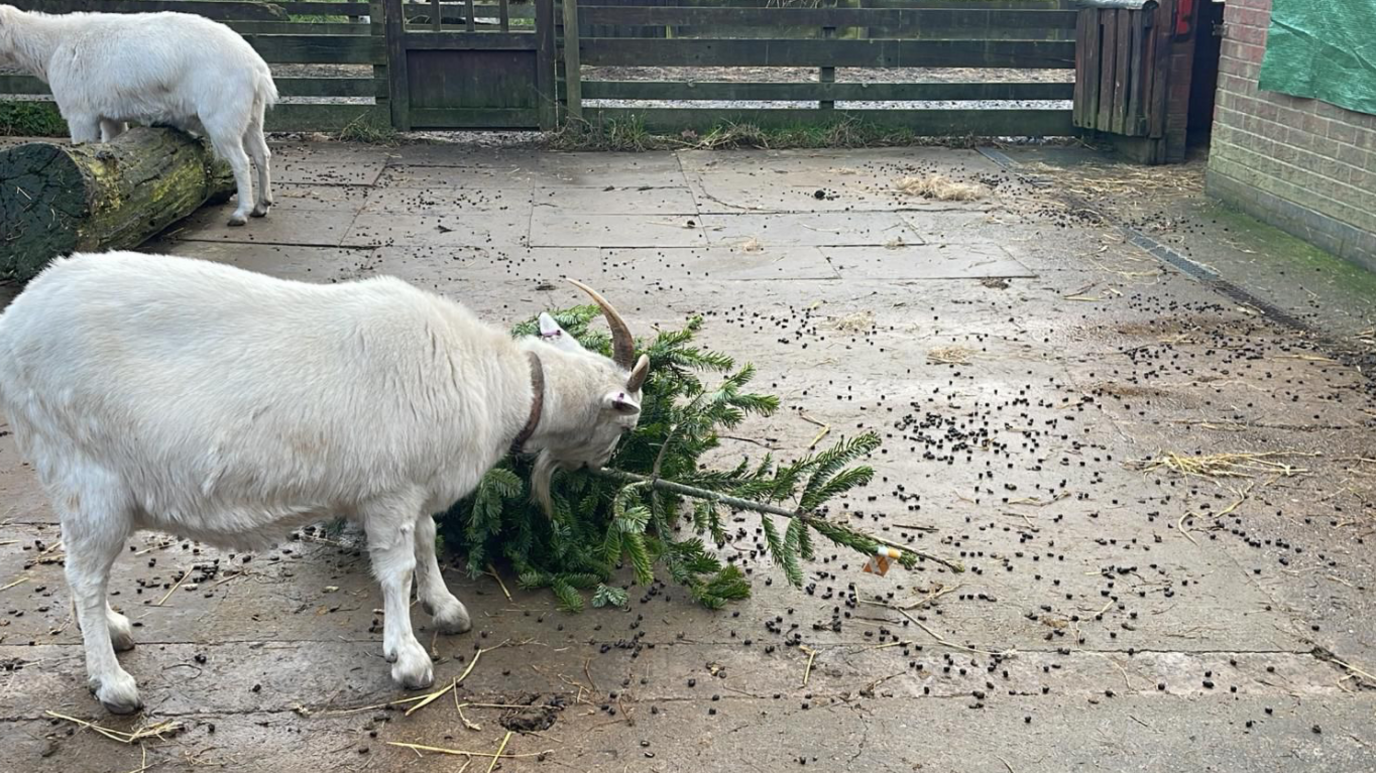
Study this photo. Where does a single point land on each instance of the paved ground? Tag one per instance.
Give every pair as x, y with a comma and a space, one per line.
1143, 621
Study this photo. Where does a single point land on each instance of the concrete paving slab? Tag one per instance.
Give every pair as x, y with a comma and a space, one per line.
288, 226
493, 177
308, 170
306, 264
552, 228
818, 229
744, 262
460, 229
319, 197
445, 200
929, 261
613, 200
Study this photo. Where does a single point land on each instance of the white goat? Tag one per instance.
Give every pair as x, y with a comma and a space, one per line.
178, 395
176, 69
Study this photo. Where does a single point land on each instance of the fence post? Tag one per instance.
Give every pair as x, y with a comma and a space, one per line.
400, 98
573, 86
827, 74
381, 86
545, 64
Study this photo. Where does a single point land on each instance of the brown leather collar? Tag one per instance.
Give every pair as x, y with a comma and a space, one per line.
537, 404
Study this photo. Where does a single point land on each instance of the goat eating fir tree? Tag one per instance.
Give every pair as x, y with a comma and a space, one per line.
631, 513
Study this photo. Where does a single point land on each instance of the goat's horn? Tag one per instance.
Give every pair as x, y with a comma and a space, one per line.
623, 344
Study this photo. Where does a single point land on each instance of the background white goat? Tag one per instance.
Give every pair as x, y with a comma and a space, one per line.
165, 393
176, 69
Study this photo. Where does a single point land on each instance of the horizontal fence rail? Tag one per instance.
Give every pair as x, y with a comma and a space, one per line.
710, 43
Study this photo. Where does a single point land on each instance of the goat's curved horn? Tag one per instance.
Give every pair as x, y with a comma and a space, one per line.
623, 344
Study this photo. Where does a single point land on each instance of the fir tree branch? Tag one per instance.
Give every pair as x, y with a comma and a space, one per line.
829, 529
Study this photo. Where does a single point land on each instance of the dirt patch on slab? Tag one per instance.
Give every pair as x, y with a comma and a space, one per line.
539, 712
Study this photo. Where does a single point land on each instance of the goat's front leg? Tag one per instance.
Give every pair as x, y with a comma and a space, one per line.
85, 129
92, 546
392, 545
448, 612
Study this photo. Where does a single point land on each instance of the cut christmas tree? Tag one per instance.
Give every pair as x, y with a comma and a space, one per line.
657, 488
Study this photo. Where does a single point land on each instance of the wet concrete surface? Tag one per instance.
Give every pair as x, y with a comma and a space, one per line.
1111, 618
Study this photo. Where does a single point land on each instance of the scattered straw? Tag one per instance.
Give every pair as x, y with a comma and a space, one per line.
858, 322
811, 656
950, 355
19, 581
942, 639
1355, 670
500, 749
493, 571
465, 752
173, 589
426, 700
825, 430
751, 245
1227, 465
151, 731
938, 187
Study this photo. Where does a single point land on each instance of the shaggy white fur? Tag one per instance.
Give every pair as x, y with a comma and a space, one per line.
216, 404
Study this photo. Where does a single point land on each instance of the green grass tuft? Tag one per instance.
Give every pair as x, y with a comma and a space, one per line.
31, 119
632, 136
372, 128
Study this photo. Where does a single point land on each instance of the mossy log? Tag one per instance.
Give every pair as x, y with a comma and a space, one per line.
59, 199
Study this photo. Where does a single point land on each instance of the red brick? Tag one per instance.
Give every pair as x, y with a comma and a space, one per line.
1315, 125
1267, 111
1250, 51
1247, 16
1289, 117
1342, 131
1254, 35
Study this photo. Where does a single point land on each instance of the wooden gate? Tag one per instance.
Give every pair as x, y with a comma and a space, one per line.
1133, 70
471, 66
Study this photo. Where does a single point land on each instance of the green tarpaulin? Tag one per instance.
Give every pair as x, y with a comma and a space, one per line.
1323, 49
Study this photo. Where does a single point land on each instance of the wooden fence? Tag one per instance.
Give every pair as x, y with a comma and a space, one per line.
720, 37
341, 61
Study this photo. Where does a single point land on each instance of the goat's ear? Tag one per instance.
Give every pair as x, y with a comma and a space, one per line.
621, 402
551, 333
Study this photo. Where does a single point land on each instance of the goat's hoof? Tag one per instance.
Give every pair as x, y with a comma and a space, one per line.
450, 616
237, 219
261, 210
121, 632
123, 641
414, 671
119, 694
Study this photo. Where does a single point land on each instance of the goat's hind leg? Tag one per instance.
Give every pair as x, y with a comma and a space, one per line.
227, 137
449, 613
111, 129
93, 532
121, 630
257, 146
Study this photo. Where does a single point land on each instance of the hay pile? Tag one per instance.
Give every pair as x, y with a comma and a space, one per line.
938, 188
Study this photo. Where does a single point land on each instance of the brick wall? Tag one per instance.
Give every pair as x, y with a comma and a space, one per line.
1303, 165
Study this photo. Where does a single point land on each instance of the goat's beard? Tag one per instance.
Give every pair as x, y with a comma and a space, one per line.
540, 479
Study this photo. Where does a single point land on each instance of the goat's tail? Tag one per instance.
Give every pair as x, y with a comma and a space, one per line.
267, 90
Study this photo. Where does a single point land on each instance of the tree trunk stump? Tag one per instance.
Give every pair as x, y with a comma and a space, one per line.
59, 199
